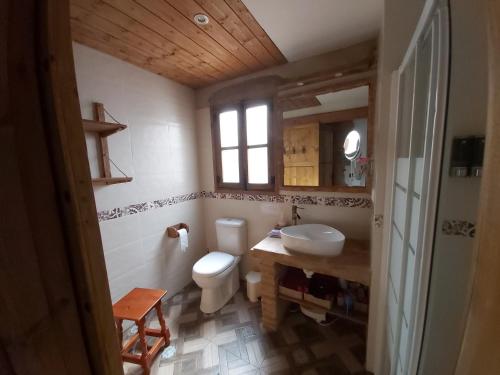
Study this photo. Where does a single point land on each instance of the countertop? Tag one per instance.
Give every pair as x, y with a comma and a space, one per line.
352, 264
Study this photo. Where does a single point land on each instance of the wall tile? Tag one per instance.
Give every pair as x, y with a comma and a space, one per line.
158, 149
124, 259
119, 232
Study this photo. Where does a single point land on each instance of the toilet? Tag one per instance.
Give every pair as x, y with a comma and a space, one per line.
217, 272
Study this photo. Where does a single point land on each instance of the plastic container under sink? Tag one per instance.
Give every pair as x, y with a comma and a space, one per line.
253, 285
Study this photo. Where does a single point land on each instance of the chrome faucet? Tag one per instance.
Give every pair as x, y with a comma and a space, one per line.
295, 215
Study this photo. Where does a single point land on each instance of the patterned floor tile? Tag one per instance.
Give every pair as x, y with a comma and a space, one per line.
189, 363
300, 356
224, 337
359, 351
246, 333
194, 345
233, 358
308, 333
211, 356
190, 331
233, 341
227, 321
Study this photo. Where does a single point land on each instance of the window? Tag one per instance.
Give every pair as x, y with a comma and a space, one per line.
242, 146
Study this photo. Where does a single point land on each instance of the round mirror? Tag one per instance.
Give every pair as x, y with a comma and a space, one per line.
352, 145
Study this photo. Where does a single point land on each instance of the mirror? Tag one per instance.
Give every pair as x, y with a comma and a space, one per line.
325, 139
352, 145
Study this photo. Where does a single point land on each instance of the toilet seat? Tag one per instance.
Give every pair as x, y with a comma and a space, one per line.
213, 264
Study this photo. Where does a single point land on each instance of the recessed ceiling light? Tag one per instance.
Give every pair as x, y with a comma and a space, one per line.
300, 83
201, 19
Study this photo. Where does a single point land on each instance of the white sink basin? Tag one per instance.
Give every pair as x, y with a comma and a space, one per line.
313, 239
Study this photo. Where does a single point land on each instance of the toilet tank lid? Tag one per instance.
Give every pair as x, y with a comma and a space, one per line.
230, 222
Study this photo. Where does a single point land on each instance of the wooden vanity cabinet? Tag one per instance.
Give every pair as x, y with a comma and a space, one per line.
353, 264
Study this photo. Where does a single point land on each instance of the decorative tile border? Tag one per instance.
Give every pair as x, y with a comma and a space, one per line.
273, 198
458, 228
142, 207
294, 199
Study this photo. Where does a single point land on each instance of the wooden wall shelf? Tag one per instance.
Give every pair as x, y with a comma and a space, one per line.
103, 128
110, 180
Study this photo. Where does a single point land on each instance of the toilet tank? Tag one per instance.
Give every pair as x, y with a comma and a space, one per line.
231, 235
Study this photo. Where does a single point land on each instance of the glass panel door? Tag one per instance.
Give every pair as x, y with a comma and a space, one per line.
418, 150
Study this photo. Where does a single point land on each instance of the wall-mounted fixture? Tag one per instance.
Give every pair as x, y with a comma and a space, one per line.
477, 157
295, 215
467, 157
201, 19
352, 145
173, 231
352, 152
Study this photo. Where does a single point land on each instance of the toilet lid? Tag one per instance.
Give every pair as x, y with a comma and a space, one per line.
213, 263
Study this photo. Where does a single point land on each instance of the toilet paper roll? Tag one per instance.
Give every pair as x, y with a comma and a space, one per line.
183, 236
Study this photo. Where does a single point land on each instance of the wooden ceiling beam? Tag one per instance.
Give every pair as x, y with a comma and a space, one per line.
86, 18
172, 16
100, 41
189, 8
248, 19
155, 23
161, 36
225, 16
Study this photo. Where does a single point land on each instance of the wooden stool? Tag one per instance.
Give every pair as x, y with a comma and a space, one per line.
135, 306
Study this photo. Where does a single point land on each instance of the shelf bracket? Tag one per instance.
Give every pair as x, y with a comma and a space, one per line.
103, 141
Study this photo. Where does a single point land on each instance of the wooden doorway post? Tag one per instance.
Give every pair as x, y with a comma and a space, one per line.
480, 352
56, 307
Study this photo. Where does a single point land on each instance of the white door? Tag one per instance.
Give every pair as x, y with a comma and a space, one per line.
421, 106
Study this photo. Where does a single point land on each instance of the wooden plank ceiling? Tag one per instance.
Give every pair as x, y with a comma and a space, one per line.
162, 37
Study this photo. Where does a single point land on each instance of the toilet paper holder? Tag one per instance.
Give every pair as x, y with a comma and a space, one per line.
173, 231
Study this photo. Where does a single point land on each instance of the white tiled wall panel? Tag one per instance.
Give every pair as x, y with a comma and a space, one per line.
403, 343
410, 282
414, 223
396, 260
419, 175
393, 313
158, 149
402, 172
400, 367
399, 208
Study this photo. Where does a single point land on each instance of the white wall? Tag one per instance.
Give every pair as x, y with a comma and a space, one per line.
158, 149
262, 216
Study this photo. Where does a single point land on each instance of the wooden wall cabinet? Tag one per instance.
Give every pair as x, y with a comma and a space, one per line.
301, 155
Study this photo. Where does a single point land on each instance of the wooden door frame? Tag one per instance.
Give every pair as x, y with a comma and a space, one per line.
47, 189
480, 352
